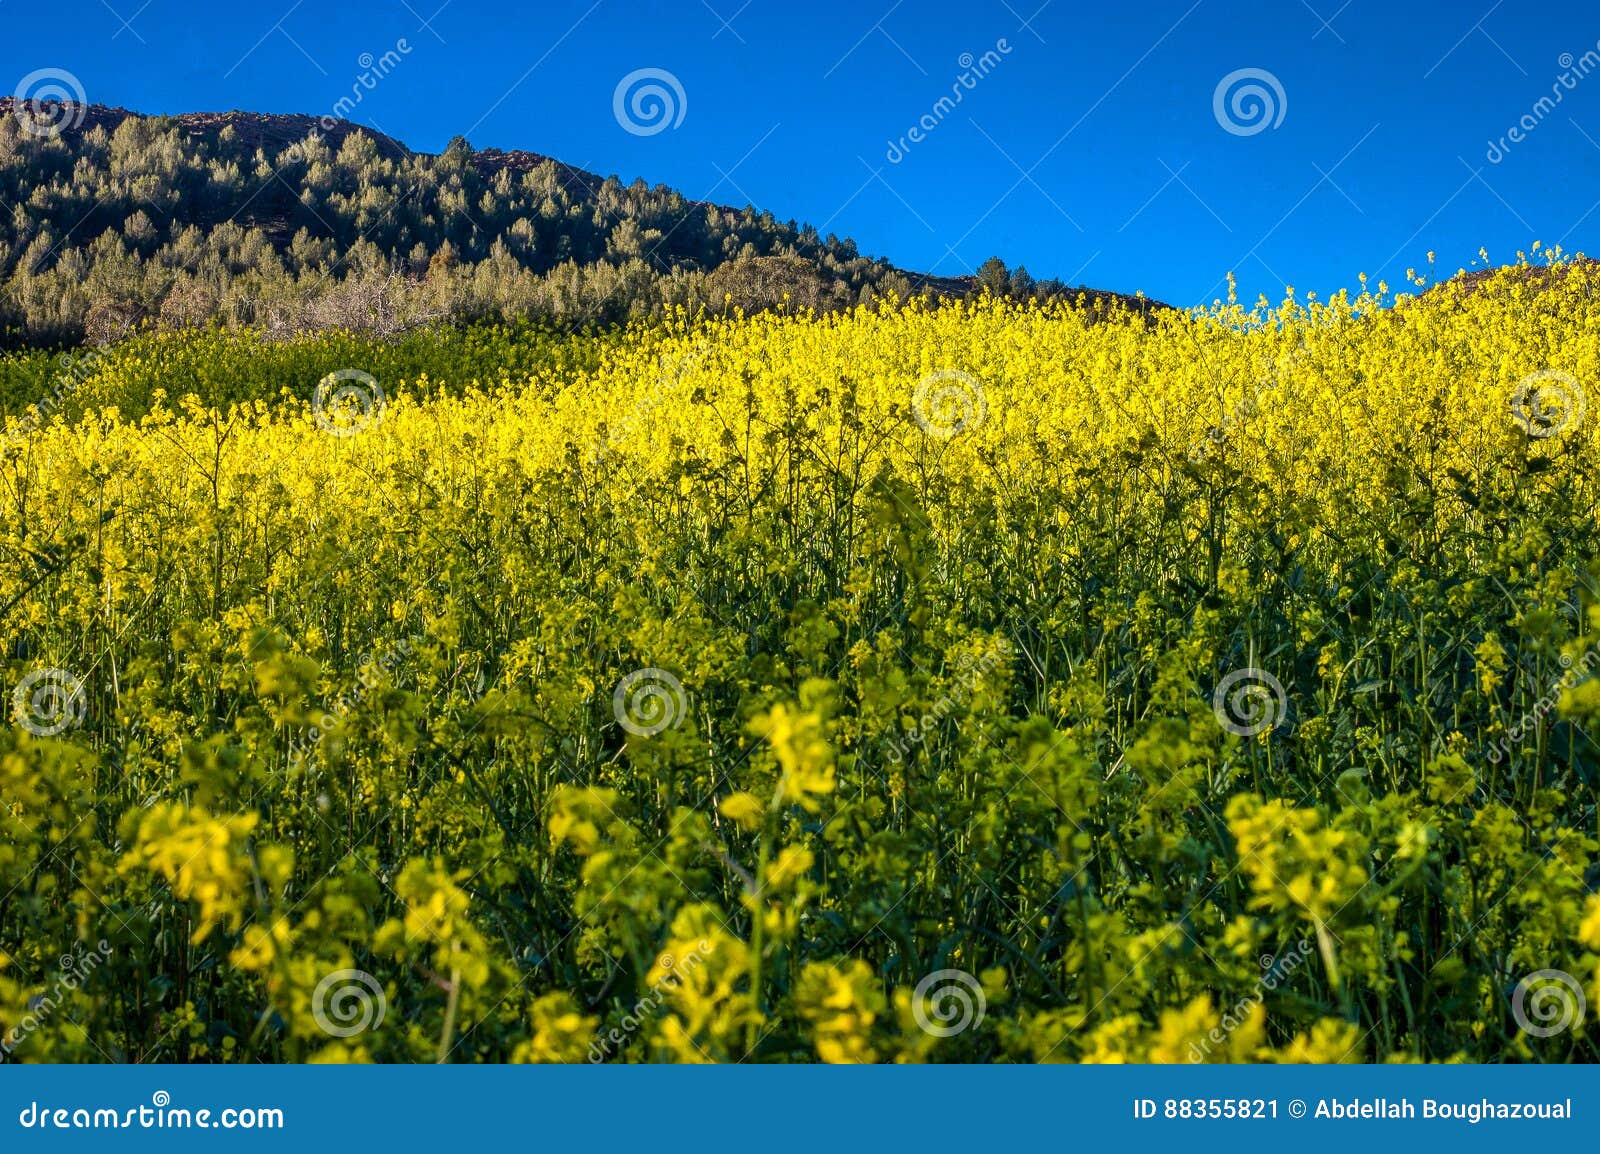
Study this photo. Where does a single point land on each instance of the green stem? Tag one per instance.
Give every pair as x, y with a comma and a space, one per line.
449, 1031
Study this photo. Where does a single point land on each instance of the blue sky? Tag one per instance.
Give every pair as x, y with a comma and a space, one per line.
1092, 147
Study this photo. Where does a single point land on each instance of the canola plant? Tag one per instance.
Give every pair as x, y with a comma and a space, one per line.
968, 683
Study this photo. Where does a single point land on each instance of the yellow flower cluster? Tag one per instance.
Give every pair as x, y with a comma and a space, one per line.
927, 683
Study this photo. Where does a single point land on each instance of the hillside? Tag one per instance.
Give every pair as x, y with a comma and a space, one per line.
1153, 708
290, 223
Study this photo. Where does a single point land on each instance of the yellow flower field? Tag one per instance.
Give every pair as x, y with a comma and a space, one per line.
972, 683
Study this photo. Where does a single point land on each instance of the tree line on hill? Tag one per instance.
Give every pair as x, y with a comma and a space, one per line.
283, 224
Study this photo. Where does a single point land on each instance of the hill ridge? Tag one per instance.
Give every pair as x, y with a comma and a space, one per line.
565, 243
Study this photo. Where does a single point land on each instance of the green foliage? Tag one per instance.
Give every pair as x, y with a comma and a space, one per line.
690, 693
268, 222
